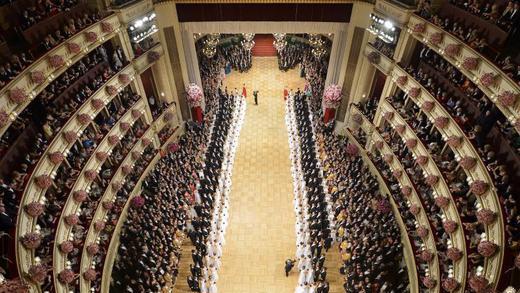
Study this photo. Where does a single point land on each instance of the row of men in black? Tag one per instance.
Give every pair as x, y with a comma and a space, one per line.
320, 233
208, 186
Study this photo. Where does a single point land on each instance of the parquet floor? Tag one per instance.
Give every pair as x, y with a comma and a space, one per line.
260, 234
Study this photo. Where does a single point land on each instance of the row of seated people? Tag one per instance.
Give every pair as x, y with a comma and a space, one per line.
368, 107
43, 9
370, 242
15, 64
474, 37
504, 17
387, 49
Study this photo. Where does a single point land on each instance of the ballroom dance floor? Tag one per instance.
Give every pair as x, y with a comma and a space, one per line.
260, 234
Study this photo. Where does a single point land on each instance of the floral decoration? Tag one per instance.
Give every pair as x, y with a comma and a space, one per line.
106, 27
34, 209
99, 225
14, 286
91, 36
90, 274
101, 156
146, 141
37, 273
388, 158
441, 122
44, 181
479, 187
422, 231
487, 248
113, 139
111, 90
31, 240
56, 61
406, 190
136, 155
379, 144
400, 128
436, 38
153, 56
450, 284
97, 104
478, 284
37, 77
138, 201
80, 195
397, 173
72, 220
91, 175
108, 205
84, 119
507, 98
66, 246
427, 106
442, 201
401, 80
415, 209
4, 118
136, 113
421, 160
411, 143
454, 254
18, 95
419, 28
427, 255
56, 158
357, 118
432, 179
452, 50
429, 282
383, 206
470, 63
486, 216
127, 169
124, 126
450, 226
124, 78
117, 185
70, 136
332, 96
173, 147
93, 249
468, 163
73, 48
66, 276
414, 92
454, 141
488, 79
352, 149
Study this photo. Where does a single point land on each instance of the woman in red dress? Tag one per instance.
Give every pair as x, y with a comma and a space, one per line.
244, 91
285, 93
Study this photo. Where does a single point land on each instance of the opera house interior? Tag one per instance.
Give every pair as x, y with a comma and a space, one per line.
260, 146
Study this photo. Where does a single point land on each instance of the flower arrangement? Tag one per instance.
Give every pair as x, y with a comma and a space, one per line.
101, 156
427, 255
379, 144
397, 173
56, 61
452, 50
70, 136
427, 106
168, 116
470, 63
44, 181
432, 179
66, 276
454, 254
34, 209
388, 115
153, 56
72, 220
487, 248
195, 95
80, 196
414, 92
106, 27
441, 122
415, 209
422, 231
73, 48
401, 80
124, 126
450, 284
374, 57
173, 147
421, 160
4, 118
429, 282
56, 158
136, 113
419, 28
113, 139
479, 187
442, 201
97, 104
84, 119
37, 273
436, 38
488, 79
146, 141
111, 90
18, 95
127, 169
124, 78
66, 247
91, 37
31, 240
136, 155
486, 216
352, 149
99, 225
93, 249
468, 163
332, 96
90, 275
37, 77
138, 201
357, 118
388, 158
13, 286
400, 128
454, 141
108, 205
117, 185
411, 143
406, 190
91, 175
383, 206
507, 98
478, 284
450, 226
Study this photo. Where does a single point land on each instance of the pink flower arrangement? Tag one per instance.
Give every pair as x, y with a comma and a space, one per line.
91, 175
436, 38
450, 226
37, 77
432, 179
101, 156
468, 163
4, 118
357, 118
153, 56
414, 92
421, 160
91, 37
388, 158
379, 144
146, 141
419, 28
66, 247
454, 141
90, 275
97, 104
117, 185
99, 225
80, 195
34, 209
44, 181
452, 50
93, 249
106, 27
488, 79
31, 240
397, 173
400, 128
113, 139
478, 284
406, 190
66, 276
84, 119
486, 216
487, 248
470, 63
374, 57
111, 90
383, 206
14, 286
138, 201
56, 158
422, 231
72, 220
352, 149
136, 113
56, 61
70, 136
441, 122
411, 143
450, 284
18, 95
195, 95
415, 209
332, 96
427, 255
454, 254
73, 48
136, 155
401, 80
427, 106
388, 115
108, 205
168, 116
442, 201
124, 126
127, 169
507, 98
124, 78
37, 273
479, 187
173, 147
429, 282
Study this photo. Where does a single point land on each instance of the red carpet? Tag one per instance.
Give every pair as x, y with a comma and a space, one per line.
264, 45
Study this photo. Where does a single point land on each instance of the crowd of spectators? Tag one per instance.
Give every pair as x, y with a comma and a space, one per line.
42, 10
238, 57
504, 17
387, 49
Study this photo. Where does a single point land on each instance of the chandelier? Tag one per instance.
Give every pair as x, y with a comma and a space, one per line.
248, 36
209, 52
279, 36
279, 45
248, 45
319, 52
314, 39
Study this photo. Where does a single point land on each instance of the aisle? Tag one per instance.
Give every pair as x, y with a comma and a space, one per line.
260, 235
